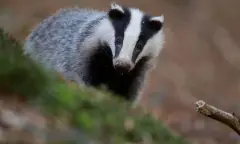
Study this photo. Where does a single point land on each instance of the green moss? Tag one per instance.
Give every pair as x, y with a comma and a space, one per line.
18, 74
96, 112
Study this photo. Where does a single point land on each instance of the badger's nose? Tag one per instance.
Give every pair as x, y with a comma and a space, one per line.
122, 66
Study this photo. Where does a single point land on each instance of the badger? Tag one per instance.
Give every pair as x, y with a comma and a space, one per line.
116, 48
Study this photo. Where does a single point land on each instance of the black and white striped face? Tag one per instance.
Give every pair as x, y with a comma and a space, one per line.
136, 35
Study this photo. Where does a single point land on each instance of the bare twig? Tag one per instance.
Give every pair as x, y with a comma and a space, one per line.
226, 118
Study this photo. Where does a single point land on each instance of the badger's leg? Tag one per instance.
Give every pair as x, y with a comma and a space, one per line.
138, 96
150, 65
73, 77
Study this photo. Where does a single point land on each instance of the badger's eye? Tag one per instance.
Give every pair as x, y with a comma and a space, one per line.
119, 40
139, 45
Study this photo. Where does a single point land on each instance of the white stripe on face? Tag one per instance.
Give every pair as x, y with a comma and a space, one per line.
131, 35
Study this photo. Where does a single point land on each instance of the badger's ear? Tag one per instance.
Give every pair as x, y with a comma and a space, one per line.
156, 22
116, 11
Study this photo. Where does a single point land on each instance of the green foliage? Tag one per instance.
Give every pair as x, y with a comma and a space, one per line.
18, 74
96, 112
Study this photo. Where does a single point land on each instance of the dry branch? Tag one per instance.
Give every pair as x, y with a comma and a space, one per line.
226, 118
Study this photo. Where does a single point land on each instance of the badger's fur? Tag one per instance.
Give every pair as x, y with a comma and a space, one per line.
113, 48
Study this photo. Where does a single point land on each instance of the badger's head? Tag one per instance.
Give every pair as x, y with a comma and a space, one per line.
136, 35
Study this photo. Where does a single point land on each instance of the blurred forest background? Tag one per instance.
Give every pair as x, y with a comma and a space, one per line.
201, 58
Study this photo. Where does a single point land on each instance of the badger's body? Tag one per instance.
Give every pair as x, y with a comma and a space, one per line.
99, 48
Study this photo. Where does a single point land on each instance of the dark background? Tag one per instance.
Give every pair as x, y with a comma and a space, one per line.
201, 58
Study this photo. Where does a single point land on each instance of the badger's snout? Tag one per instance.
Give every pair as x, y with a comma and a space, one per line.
122, 65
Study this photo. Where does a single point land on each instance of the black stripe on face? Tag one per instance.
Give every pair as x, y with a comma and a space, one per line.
120, 22
148, 29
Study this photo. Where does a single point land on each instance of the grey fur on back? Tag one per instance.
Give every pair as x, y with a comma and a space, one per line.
56, 40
